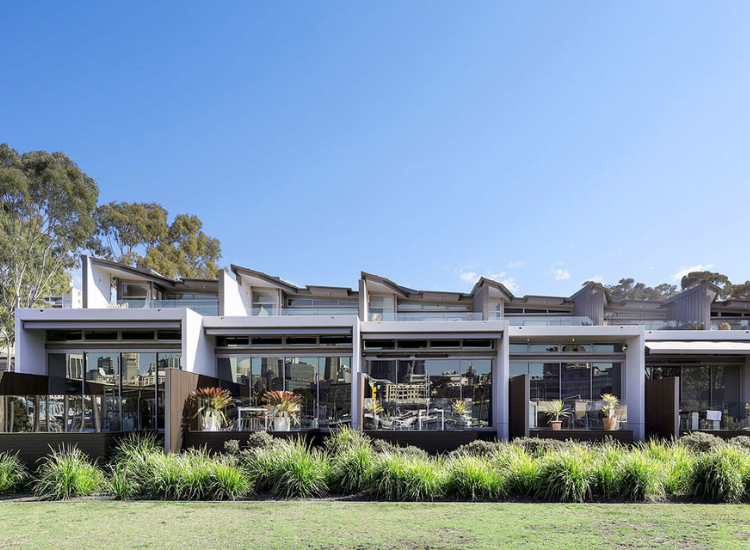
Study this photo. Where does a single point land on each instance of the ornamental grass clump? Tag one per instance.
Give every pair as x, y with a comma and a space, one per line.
638, 476
13, 473
288, 471
67, 473
701, 442
567, 476
719, 475
471, 477
519, 469
349, 468
345, 439
405, 478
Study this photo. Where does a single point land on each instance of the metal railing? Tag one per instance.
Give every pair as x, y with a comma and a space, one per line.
302, 311
549, 321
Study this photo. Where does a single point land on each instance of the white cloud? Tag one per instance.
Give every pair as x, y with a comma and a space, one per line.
595, 278
562, 275
513, 265
685, 270
469, 277
510, 283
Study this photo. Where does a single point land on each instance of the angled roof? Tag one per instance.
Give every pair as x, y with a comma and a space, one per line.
151, 275
287, 286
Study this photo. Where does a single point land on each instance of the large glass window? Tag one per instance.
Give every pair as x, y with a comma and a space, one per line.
301, 377
265, 302
134, 291
435, 394
335, 392
381, 308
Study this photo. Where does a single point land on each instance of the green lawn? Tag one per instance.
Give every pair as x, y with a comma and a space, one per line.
364, 525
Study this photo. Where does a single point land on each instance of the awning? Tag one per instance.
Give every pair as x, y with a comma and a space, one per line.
700, 348
288, 331
430, 335
86, 325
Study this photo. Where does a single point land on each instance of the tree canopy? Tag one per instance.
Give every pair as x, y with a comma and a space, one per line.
628, 289
46, 219
138, 234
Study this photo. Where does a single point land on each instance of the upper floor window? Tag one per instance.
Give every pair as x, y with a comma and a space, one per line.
134, 291
265, 302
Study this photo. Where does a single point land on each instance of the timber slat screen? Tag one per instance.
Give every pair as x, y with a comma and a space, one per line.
519, 395
662, 407
180, 385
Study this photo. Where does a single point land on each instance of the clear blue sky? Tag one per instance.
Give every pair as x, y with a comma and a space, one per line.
542, 142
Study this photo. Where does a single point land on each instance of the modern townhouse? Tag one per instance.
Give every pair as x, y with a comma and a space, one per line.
433, 368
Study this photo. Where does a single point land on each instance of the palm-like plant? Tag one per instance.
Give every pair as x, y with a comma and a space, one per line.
212, 401
282, 403
557, 409
610, 404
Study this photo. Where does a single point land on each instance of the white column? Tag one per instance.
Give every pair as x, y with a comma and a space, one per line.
500, 381
635, 385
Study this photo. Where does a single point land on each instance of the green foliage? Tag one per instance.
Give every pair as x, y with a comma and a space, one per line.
701, 442
262, 440
538, 447
288, 471
473, 478
479, 447
46, 218
13, 474
741, 441
405, 478
719, 475
344, 439
521, 470
67, 473
567, 476
638, 476
350, 467
138, 234
381, 446
628, 289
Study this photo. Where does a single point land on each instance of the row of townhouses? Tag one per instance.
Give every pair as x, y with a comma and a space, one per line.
380, 357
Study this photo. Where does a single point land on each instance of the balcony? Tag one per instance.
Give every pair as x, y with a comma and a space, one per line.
302, 312
656, 324
734, 324
203, 307
427, 316
547, 321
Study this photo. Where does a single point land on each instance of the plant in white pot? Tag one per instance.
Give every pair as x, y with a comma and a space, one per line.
608, 410
283, 407
211, 405
461, 414
557, 409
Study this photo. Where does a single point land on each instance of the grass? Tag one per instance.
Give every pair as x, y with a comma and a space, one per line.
337, 525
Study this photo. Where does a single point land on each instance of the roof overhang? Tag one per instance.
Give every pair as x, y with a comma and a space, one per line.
699, 348
295, 331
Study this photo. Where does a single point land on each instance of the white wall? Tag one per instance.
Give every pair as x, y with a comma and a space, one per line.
97, 288
501, 387
357, 367
635, 385
232, 302
30, 353
197, 348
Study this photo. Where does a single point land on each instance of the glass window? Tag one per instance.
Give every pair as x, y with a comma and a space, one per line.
380, 394
137, 335
478, 344
575, 381
64, 335
335, 392
607, 348
576, 348
519, 348
234, 369
264, 302
518, 368
695, 387
381, 308
477, 390
100, 335
134, 291
169, 335
139, 375
301, 341
445, 408
267, 375
544, 348
102, 393
545, 381
335, 340
606, 378
301, 377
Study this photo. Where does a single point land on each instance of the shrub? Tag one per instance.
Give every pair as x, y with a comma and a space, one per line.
345, 439
741, 441
538, 447
384, 447
719, 475
289, 471
13, 473
479, 447
350, 468
232, 447
607, 470
567, 476
405, 478
262, 440
67, 473
520, 470
135, 443
638, 476
472, 477
701, 442
678, 465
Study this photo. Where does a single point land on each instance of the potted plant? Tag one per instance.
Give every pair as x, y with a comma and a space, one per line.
460, 414
283, 407
608, 410
211, 405
373, 411
557, 409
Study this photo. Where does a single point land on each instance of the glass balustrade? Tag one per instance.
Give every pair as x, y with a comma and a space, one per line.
204, 307
549, 321
579, 414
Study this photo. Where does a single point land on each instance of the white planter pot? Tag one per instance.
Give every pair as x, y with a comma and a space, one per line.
210, 423
281, 423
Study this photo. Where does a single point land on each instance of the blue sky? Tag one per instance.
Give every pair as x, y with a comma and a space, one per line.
540, 143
